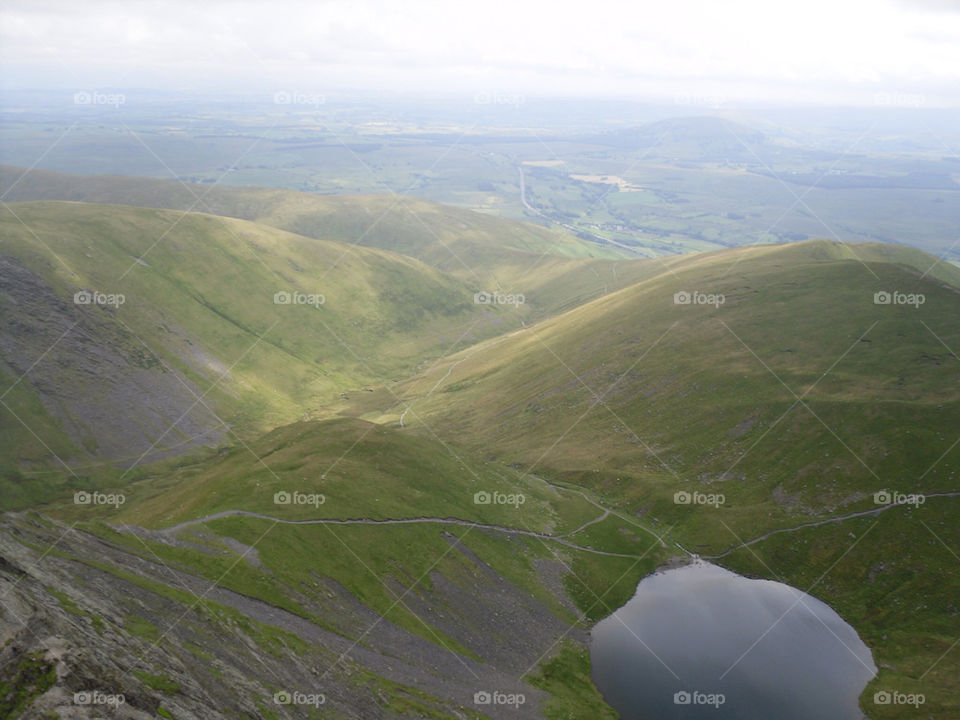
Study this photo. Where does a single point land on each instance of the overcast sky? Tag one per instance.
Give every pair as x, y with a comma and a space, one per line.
821, 51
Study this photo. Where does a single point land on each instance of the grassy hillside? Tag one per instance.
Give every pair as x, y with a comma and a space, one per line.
553, 270
386, 622
658, 365
766, 381
479, 591
792, 401
363, 471
198, 340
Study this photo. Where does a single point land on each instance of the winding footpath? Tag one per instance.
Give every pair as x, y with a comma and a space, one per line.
816, 523
560, 538
436, 385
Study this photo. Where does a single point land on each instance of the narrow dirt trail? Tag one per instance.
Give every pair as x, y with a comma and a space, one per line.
560, 538
174, 529
817, 523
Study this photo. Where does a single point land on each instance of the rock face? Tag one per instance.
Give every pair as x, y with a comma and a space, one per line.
90, 629
114, 398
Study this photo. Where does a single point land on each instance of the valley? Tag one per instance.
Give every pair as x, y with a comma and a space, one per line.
402, 487
501, 361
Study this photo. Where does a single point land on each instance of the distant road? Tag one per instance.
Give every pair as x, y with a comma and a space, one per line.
575, 230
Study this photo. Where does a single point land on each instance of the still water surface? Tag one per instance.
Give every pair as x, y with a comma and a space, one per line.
702, 642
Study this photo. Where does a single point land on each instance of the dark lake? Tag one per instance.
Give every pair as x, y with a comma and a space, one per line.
702, 642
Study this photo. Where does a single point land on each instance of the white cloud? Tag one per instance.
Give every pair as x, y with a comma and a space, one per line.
819, 50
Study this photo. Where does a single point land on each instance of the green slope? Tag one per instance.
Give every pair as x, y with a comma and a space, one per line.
199, 340
553, 270
488, 585
790, 313
363, 470
796, 399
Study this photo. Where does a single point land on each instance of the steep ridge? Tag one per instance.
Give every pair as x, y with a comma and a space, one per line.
101, 621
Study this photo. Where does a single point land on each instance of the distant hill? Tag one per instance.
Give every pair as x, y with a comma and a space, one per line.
482, 249
703, 138
554, 271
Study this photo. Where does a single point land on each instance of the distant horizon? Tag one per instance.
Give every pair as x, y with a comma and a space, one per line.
684, 103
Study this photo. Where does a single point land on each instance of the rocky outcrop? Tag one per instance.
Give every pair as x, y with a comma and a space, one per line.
114, 398
90, 629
